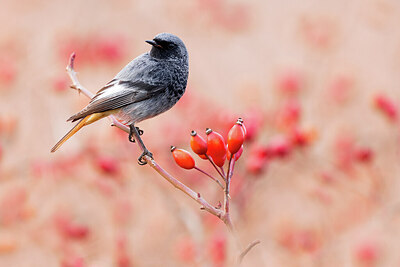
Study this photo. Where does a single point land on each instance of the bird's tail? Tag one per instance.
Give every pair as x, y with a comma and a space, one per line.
83, 122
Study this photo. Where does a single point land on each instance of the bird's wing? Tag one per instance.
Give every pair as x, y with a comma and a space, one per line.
119, 93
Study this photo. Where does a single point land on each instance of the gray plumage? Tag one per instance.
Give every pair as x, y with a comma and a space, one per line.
149, 85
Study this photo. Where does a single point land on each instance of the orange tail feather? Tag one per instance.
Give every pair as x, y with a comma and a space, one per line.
83, 122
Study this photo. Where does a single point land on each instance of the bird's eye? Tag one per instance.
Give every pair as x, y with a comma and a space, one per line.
165, 44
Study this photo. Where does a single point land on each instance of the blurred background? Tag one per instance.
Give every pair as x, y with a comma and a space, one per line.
317, 84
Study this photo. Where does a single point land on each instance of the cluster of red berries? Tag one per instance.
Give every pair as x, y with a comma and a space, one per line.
213, 147
94, 49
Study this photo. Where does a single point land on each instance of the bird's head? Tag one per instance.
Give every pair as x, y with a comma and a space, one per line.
168, 46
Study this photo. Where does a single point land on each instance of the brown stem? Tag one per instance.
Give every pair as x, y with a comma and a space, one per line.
249, 247
78, 86
222, 214
212, 178
216, 167
182, 187
176, 183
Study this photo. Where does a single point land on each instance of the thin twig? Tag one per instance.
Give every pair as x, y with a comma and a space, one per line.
222, 171
223, 214
227, 188
212, 178
216, 167
78, 86
249, 247
182, 187
152, 163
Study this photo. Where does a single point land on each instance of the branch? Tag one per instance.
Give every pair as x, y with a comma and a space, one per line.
210, 176
78, 86
216, 167
223, 214
152, 163
227, 188
249, 247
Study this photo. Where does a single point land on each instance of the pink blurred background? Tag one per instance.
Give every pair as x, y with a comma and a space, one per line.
316, 83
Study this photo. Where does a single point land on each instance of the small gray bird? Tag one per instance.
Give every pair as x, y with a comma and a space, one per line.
149, 85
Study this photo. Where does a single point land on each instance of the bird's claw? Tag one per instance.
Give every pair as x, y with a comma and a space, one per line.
142, 160
131, 138
139, 131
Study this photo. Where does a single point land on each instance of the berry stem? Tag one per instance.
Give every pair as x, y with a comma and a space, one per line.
212, 178
227, 186
216, 168
222, 170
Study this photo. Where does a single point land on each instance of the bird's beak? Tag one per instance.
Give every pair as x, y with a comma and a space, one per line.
153, 43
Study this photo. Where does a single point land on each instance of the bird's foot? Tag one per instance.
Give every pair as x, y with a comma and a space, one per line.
142, 159
141, 132
131, 138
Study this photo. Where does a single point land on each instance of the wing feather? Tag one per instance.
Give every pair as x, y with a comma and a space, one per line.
117, 94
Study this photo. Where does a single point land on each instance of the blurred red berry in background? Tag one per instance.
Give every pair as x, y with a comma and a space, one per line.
364, 155
290, 82
108, 165
73, 261
186, 250
279, 147
8, 71
94, 49
289, 115
340, 88
217, 248
70, 229
367, 252
386, 106
256, 165
60, 83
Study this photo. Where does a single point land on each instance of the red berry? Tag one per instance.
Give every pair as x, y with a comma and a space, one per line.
70, 229
215, 144
60, 83
219, 161
290, 82
183, 158
73, 262
235, 138
364, 155
218, 249
280, 147
236, 155
203, 157
7, 72
367, 252
243, 126
198, 144
256, 164
386, 105
108, 165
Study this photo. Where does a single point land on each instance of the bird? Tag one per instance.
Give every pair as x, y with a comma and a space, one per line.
149, 85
